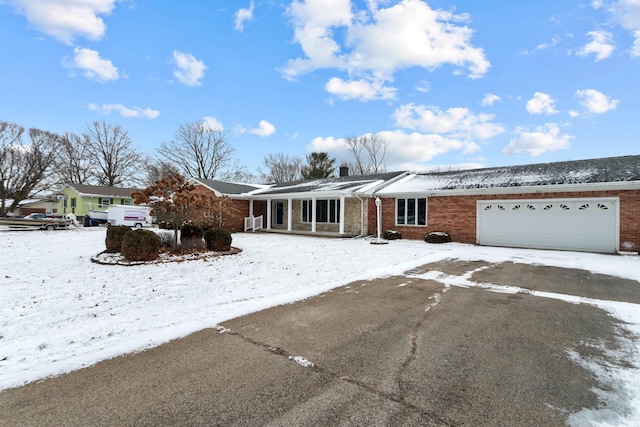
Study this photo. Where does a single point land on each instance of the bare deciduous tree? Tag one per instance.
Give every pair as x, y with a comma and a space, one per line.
114, 159
24, 168
281, 168
158, 170
367, 153
73, 164
201, 151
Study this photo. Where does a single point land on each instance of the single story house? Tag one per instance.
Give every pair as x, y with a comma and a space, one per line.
233, 191
329, 206
78, 199
336, 206
585, 205
45, 205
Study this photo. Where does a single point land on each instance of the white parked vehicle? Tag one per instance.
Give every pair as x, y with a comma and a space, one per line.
131, 216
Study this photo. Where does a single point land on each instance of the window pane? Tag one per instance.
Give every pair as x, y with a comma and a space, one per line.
422, 211
305, 211
411, 211
322, 208
332, 211
400, 212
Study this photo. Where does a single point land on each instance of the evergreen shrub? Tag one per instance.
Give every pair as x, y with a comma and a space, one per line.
113, 241
437, 237
191, 236
218, 239
140, 245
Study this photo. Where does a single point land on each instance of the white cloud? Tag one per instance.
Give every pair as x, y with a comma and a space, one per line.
264, 129
361, 90
211, 123
596, 102
242, 16
376, 42
189, 70
455, 122
542, 46
94, 67
404, 150
136, 112
541, 103
601, 45
423, 86
635, 49
533, 143
627, 14
66, 19
490, 99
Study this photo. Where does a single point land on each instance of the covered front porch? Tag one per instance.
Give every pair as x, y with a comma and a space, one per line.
337, 216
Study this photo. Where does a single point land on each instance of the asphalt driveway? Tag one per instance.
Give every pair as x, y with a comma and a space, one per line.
395, 351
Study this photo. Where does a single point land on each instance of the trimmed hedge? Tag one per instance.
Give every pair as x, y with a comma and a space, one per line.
113, 241
191, 236
437, 237
140, 245
392, 235
218, 239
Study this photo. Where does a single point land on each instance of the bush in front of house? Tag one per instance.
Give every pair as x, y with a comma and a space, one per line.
140, 245
113, 241
392, 235
218, 239
191, 236
437, 237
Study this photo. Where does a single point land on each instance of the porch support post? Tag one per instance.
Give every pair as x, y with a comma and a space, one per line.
313, 215
251, 208
289, 214
342, 214
268, 214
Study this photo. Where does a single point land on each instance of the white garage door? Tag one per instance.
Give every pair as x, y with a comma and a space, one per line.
567, 224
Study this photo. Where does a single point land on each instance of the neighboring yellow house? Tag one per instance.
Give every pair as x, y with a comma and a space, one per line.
78, 199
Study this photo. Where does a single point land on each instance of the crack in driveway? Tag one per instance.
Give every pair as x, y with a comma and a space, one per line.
415, 334
399, 399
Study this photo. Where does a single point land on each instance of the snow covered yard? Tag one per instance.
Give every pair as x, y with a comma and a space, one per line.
60, 312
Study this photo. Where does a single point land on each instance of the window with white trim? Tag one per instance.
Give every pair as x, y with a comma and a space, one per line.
126, 202
104, 203
327, 210
412, 211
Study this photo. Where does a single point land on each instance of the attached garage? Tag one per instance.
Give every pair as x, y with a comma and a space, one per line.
585, 224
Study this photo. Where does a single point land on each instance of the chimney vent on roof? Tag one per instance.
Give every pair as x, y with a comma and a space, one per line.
344, 170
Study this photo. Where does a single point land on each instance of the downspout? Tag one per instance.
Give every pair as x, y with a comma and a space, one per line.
361, 214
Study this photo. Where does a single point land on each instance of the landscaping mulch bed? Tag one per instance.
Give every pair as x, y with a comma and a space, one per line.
105, 258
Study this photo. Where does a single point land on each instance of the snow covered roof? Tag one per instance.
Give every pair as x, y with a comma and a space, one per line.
98, 190
604, 170
228, 188
343, 184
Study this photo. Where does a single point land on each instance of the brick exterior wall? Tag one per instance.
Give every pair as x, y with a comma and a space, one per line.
456, 215
233, 220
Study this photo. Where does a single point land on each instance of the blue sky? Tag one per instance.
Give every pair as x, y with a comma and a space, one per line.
462, 83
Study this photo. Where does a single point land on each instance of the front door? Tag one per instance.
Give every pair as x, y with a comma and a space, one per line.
278, 219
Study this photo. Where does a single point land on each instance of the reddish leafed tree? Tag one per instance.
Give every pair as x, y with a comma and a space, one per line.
178, 201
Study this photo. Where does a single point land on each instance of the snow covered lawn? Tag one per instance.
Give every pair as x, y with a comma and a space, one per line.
60, 312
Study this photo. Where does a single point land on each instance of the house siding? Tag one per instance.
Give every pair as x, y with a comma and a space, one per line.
234, 220
456, 215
